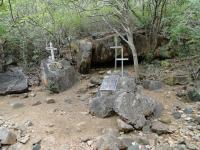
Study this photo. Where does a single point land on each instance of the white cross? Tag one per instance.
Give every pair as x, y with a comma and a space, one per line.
122, 59
52, 49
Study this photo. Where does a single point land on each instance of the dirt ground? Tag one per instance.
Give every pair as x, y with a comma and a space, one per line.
67, 122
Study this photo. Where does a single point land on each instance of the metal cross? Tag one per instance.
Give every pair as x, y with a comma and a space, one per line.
52, 49
122, 59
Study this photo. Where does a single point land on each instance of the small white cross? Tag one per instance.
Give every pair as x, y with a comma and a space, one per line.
52, 49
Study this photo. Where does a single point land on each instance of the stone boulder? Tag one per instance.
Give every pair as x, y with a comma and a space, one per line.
177, 78
108, 142
161, 128
85, 56
58, 76
7, 137
135, 108
152, 85
13, 81
123, 126
102, 106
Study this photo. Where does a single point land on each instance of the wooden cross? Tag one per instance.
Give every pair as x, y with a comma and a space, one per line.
122, 59
52, 49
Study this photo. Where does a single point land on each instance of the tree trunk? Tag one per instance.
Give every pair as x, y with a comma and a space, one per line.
134, 52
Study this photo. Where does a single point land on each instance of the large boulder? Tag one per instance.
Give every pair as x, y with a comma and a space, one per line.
177, 78
13, 81
102, 106
152, 85
101, 52
58, 76
135, 108
85, 56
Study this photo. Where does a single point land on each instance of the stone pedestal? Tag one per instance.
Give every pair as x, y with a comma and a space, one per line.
58, 76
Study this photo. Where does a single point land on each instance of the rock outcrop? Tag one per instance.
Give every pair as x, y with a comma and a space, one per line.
85, 56
96, 50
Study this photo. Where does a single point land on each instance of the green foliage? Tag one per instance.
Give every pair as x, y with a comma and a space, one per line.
53, 87
34, 23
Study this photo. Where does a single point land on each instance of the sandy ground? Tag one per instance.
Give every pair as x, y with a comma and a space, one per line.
67, 121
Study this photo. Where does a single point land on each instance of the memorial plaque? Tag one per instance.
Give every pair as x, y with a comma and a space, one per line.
109, 83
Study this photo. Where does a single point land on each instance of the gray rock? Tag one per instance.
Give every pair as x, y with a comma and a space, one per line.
108, 142
176, 115
134, 108
36, 143
85, 56
95, 81
152, 85
13, 81
188, 110
127, 84
7, 137
17, 105
58, 76
102, 106
177, 78
36, 146
124, 127
160, 128
50, 101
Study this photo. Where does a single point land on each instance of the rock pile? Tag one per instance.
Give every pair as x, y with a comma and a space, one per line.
127, 101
